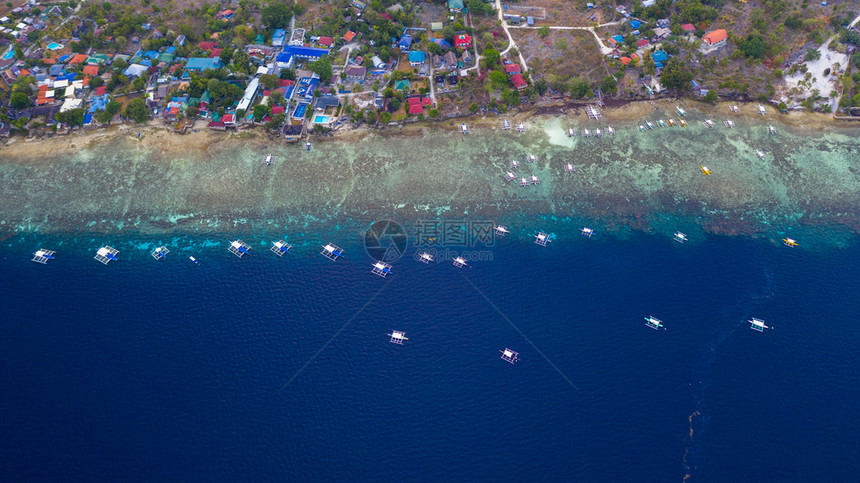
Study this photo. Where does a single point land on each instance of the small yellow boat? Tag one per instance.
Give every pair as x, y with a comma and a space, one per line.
682, 122
706, 171
789, 242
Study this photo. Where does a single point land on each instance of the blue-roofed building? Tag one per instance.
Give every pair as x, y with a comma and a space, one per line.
416, 57
88, 119
98, 103
306, 86
405, 42
146, 62
443, 43
278, 37
635, 24
56, 69
151, 54
300, 111
618, 39
170, 50
288, 92
292, 52
203, 63
660, 57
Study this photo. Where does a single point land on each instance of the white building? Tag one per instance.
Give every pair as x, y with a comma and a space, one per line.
250, 93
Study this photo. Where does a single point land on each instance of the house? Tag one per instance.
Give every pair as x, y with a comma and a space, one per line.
348, 36
717, 38
292, 133
180, 41
216, 52
455, 6
688, 28
225, 15
519, 82
660, 58
250, 94
324, 102
635, 24
462, 41
442, 43
512, 68
466, 57
377, 62
136, 70
278, 37
325, 41
619, 39
414, 105
286, 57
229, 120
641, 43
405, 42
202, 63
355, 73
416, 58
402, 85
278, 110
662, 33
91, 70
648, 3
206, 45
436, 26
449, 60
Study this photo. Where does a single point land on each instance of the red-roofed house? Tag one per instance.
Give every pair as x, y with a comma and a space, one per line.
625, 61
386, 16
348, 36
462, 41
277, 110
688, 27
92, 69
205, 45
225, 15
286, 82
77, 59
101, 90
216, 52
641, 43
416, 109
717, 38
512, 69
519, 82
228, 119
426, 101
325, 41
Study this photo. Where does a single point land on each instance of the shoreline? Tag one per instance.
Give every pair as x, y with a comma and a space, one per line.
159, 138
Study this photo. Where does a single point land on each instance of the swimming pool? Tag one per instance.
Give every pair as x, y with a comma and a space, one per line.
321, 119
9, 55
55, 46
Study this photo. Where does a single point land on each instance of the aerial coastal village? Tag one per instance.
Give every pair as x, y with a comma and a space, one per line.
290, 68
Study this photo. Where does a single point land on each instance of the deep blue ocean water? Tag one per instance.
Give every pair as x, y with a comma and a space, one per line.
145, 370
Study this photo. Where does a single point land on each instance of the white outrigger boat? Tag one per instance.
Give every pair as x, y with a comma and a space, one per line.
506, 125
268, 160
654, 323
597, 133
761, 110
771, 130
610, 131
571, 132
509, 176
759, 154
757, 325
661, 123
569, 168
729, 123
680, 237
681, 112
641, 128
521, 127
534, 179
586, 133
515, 164
464, 128
524, 181
532, 158
708, 123
501, 230
649, 124
734, 108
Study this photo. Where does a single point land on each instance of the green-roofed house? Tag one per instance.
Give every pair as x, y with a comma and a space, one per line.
165, 57
98, 59
455, 5
203, 63
402, 84
436, 26
259, 39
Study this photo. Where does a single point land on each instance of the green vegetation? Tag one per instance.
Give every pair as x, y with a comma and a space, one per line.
136, 110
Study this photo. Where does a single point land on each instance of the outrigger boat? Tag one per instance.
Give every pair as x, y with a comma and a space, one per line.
521, 127
641, 128
268, 160
610, 131
680, 237
671, 122
706, 171
585, 133
682, 122
771, 130
661, 123
569, 168
708, 123
524, 181
681, 112
506, 125
532, 158
734, 108
597, 133
649, 124
654, 323
789, 242
761, 110
515, 164
534, 179
502, 230
571, 132
759, 154
729, 123
510, 176
757, 325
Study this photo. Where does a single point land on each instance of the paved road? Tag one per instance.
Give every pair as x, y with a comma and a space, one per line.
511, 43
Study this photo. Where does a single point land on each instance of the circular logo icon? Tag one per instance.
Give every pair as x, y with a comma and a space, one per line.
385, 241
